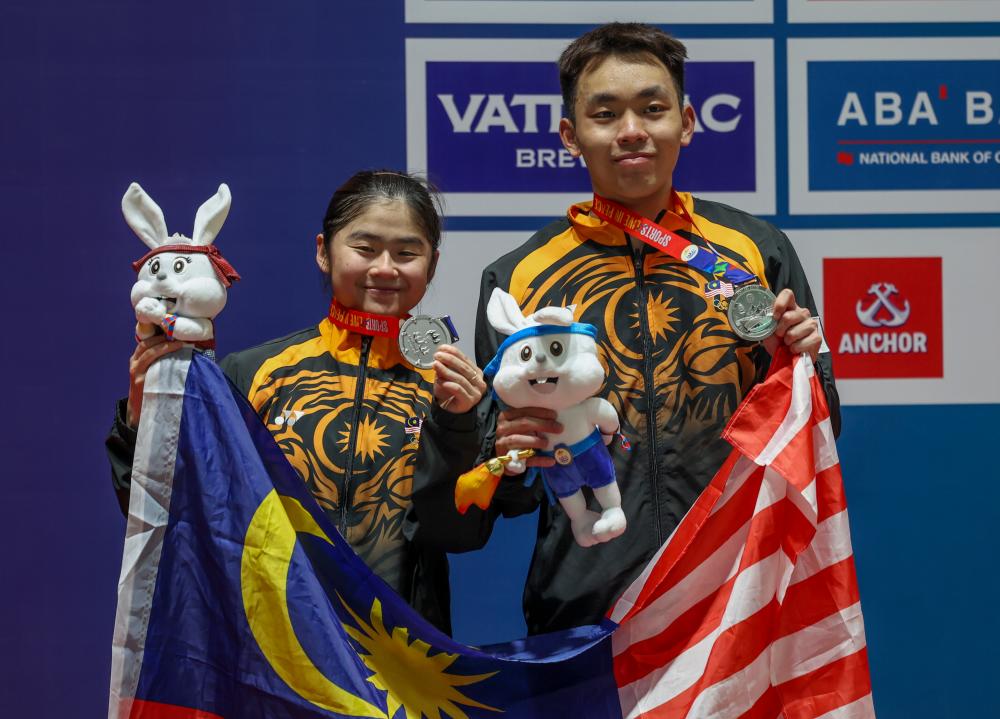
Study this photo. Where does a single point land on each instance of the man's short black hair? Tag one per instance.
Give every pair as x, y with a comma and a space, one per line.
630, 40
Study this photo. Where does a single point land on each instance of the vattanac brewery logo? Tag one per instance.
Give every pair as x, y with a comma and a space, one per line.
904, 125
494, 127
882, 316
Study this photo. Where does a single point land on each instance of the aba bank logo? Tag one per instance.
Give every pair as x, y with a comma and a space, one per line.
904, 125
494, 127
883, 316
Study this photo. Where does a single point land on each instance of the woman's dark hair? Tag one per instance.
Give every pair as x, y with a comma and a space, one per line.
629, 40
368, 187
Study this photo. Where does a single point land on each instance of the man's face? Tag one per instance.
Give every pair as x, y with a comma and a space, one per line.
630, 126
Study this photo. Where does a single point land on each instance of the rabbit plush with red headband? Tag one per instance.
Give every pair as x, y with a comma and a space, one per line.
182, 281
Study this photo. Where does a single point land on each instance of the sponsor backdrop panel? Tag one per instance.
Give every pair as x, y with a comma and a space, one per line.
483, 122
841, 11
588, 11
906, 313
284, 101
886, 125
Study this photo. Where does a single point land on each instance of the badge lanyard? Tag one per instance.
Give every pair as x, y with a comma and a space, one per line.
725, 275
366, 323
749, 313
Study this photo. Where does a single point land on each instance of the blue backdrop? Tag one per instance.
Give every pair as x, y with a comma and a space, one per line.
283, 102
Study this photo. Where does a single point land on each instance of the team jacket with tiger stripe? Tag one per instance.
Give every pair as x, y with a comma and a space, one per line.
345, 409
676, 372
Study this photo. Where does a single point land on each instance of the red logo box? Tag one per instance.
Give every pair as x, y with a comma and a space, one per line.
882, 316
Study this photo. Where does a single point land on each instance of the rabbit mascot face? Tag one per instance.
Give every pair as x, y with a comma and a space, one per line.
550, 361
182, 281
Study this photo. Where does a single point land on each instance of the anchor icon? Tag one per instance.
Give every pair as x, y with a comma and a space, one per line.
883, 291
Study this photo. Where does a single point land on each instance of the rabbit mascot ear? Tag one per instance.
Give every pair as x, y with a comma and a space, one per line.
144, 216
550, 361
505, 314
210, 216
181, 283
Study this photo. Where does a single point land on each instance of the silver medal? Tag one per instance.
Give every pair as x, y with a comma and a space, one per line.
750, 313
419, 338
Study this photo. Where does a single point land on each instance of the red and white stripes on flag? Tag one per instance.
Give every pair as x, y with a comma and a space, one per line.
751, 608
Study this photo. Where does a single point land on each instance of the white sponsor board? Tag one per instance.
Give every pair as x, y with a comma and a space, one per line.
882, 112
893, 10
970, 325
674, 12
421, 52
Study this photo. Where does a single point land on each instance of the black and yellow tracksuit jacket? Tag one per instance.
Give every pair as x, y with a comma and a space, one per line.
346, 411
676, 372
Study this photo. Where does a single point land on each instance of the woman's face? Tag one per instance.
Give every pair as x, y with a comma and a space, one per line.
381, 262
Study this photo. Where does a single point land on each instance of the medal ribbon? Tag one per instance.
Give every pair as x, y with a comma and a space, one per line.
667, 242
366, 323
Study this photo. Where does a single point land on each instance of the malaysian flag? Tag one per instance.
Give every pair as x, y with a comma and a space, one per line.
718, 287
239, 598
751, 608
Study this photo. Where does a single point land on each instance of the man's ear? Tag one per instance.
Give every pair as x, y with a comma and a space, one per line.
567, 133
433, 266
687, 126
322, 260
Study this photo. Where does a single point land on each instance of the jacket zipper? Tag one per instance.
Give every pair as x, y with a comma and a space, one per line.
359, 394
647, 353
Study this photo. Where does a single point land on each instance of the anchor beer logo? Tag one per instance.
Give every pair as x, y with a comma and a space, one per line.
870, 317
883, 316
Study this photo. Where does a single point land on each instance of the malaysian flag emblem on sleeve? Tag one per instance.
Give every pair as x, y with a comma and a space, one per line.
238, 598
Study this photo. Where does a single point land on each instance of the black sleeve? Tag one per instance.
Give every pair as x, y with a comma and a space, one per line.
120, 445
487, 339
784, 270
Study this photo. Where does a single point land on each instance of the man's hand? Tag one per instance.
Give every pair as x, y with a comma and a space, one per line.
527, 428
458, 383
146, 353
797, 329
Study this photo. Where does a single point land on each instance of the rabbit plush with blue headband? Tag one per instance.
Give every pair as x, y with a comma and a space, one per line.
550, 361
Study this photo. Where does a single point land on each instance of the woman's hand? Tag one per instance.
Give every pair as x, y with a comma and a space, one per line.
458, 383
146, 353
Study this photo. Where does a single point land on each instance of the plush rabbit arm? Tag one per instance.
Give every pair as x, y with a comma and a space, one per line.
144, 216
603, 414
208, 221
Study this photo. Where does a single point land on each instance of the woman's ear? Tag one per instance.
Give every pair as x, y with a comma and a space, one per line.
433, 265
322, 259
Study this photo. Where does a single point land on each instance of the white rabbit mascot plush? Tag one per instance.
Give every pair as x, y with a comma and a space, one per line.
182, 281
550, 361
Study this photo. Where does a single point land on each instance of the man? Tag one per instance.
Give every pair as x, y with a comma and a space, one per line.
676, 368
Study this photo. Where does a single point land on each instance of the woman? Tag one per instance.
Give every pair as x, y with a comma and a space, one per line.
342, 403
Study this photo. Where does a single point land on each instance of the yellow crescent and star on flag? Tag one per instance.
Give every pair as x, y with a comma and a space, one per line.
412, 678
